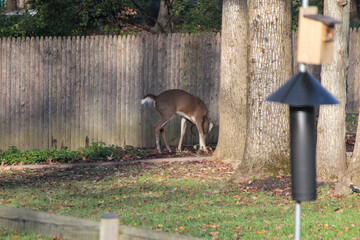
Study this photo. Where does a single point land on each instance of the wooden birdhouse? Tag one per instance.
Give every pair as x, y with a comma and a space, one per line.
315, 37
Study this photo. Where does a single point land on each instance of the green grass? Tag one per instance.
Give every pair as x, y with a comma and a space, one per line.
187, 198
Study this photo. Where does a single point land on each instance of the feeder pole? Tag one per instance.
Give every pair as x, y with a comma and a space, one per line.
297, 221
302, 93
302, 68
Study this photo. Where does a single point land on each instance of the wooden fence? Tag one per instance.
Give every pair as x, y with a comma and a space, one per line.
67, 92
75, 228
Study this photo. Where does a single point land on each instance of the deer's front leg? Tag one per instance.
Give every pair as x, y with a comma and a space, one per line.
201, 137
182, 134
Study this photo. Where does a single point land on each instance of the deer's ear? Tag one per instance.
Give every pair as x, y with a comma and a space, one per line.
211, 125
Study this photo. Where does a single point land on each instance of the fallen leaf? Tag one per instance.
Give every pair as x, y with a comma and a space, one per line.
339, 210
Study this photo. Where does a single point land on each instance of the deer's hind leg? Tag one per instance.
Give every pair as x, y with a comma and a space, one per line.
183, 130
159, 127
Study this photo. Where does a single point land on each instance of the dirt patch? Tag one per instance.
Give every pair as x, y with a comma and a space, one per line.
280, 185
187, 151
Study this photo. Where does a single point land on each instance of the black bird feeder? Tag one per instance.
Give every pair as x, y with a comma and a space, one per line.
302, 93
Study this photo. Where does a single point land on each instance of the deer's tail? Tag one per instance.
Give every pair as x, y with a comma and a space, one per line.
149, 98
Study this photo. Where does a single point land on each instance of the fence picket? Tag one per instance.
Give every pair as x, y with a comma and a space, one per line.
2, 93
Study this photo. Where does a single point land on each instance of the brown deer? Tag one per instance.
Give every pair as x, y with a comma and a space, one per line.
189, 107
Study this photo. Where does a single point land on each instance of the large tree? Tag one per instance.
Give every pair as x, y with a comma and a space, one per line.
270, 57
233, 81
331, 149
352, 175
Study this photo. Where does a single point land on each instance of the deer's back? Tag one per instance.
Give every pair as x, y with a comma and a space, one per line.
177, 100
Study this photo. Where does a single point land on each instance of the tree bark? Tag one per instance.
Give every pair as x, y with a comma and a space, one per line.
354, 14
352, 175
331, 149
233, 82
270, 56
11, 5
162, 24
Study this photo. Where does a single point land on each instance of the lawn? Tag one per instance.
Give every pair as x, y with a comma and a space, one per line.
190, 198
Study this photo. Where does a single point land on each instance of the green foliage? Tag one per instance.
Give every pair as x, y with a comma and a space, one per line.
70, 18
88, 17
198, 16
96, 151
16, 26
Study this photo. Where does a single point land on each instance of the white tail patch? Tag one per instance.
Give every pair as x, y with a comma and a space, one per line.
147, 100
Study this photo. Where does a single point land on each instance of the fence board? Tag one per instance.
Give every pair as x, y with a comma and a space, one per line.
2, 93
7, 67
45, 60
35, 97
71, 227
49, 224
105, 93
91, 89
14, 105
112, 89
122, 127
118, 92
139, 90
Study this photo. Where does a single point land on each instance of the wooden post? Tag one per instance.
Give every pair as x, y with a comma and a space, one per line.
109, 227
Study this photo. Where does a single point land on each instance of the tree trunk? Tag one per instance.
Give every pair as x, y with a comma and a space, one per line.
162, 24
352, 175
354, 14
11, 5
270, 57
234, 82
331, 149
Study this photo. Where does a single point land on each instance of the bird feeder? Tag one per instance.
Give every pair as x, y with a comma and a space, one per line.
315, 37
302, 93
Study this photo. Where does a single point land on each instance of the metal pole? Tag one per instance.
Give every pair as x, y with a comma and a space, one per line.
297, 221
305, 3
302, 68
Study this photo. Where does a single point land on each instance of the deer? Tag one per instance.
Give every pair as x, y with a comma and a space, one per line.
189, 107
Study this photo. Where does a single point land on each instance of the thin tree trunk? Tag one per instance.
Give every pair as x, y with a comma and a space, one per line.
331, 149
162, 24
233, 82
270, 57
